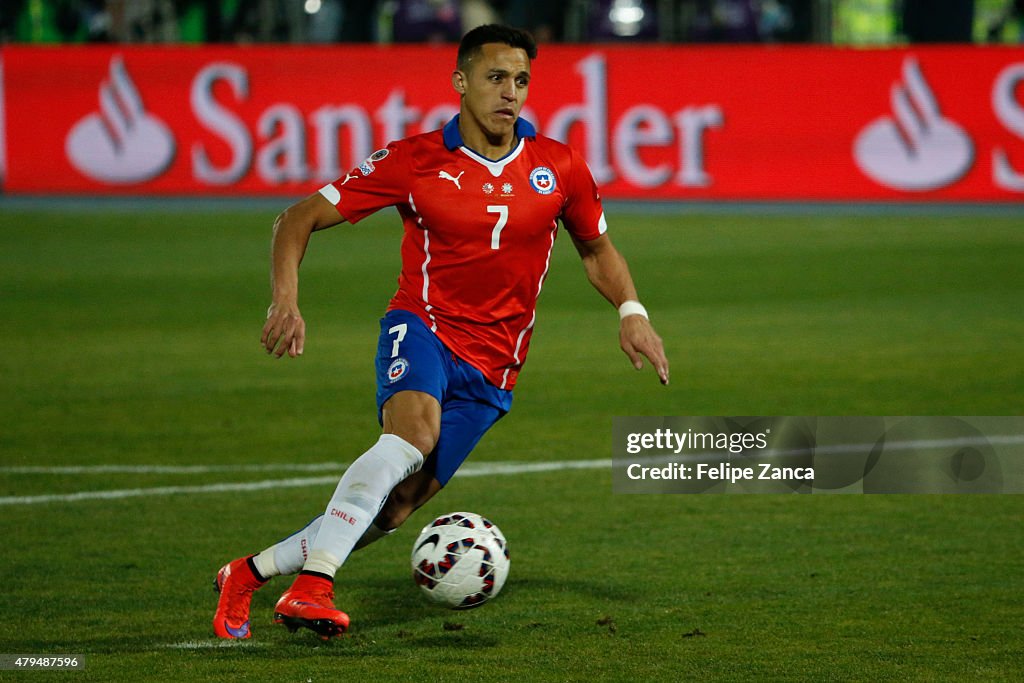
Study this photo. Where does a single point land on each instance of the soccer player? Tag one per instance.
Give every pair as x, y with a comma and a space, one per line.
480, 202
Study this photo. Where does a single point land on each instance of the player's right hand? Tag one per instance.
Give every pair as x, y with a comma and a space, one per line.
638, 339
285, 331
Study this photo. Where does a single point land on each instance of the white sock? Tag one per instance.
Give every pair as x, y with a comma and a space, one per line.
287, 556
360, 494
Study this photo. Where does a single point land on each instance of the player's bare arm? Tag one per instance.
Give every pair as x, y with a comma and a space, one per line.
609, 274
285, 330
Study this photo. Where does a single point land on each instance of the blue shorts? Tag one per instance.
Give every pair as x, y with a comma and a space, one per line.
411, 358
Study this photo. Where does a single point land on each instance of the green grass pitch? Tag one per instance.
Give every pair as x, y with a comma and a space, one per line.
132, 339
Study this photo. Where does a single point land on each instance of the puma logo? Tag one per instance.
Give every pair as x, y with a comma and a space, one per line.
445, 175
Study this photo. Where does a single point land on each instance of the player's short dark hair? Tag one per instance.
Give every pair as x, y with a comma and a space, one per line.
473, 42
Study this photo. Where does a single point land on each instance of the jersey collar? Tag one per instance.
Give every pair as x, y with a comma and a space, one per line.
453, 138
453, 141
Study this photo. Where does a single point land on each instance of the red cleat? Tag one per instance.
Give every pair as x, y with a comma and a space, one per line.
236, 583
309, 603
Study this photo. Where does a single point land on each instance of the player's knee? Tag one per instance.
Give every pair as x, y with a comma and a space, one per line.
419, 434
415, 417
423, 442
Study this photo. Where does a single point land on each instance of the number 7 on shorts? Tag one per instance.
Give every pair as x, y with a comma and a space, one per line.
401, 329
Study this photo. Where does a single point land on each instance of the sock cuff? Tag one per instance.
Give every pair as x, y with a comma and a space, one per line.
321, 562
317, 575
266, 558
400, 453
401, 443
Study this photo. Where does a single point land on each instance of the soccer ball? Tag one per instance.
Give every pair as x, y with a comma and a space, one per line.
460, 560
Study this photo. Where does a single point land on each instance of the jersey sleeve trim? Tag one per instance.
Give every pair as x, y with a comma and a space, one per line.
331, 194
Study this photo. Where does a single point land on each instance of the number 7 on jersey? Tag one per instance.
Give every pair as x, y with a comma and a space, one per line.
502, 212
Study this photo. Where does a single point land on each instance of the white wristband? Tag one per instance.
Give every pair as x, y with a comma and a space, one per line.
632, 308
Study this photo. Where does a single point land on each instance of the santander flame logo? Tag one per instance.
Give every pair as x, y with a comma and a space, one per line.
121, 143
917, 148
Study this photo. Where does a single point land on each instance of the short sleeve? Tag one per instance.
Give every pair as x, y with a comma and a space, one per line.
378, 182
582, 214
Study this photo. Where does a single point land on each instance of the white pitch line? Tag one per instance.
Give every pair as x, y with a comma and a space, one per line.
113, 494
213, 644
480, 470
513, 467
167, 490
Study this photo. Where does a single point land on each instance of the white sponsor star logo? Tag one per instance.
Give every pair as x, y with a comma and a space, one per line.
121, 143
916, 148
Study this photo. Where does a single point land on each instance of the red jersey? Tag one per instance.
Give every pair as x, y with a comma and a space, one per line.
478, 234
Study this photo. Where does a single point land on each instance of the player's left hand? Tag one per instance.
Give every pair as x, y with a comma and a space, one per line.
284, 332
638, 339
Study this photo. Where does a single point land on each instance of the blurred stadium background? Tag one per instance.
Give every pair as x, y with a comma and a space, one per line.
841, 22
